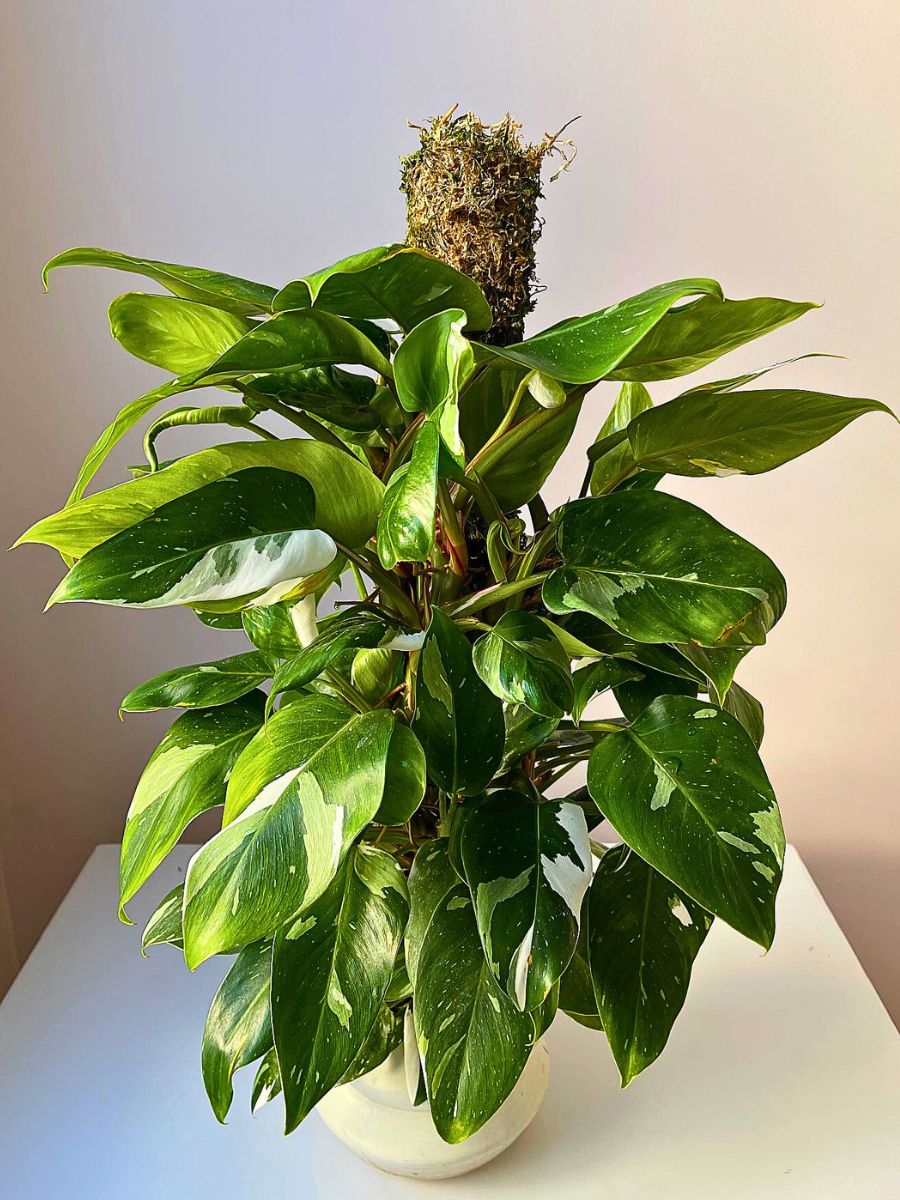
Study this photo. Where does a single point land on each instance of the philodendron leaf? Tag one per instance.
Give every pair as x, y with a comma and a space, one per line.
685, 788
180, 336
164, 926
330, 972
271, 629
430, 366
384, 1037
406, 524
399, 282
405, 778
238, 1027
430, 879
739, 432
524, 731
584, 349
657, 569
617, 463
249, 537
186, 775
576, 987
341, 397
473, 1041
634, 695
227, 292
294, 340
347, 494
598, 677
267, 1083
303, 791
523, 663
718, 666
517, 465
748, 710
203, 685
457, 719
361, 626
528, 865
696, 334
643, 935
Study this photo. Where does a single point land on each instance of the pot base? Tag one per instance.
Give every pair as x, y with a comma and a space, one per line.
374, 1118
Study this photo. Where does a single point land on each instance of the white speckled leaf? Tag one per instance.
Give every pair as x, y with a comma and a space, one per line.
643, 934
201, 685
430, 366
657, 569
528, 865
685, 788
473, 1041
238, 1029
523, 663
294, 810
330, 971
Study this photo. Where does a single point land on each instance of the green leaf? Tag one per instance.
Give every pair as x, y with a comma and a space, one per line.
347, 495
430, 366
643, 936
748, 710
739, 432
248, 537
298, 797
238, 1029
361, 626
657, 569
406, 524
598, 677
203, 685
340, 397
384, 1037
585, 349
524, 731
528, 865
523, 663
473, 1041
399, 282
374, 673
294, 340
599, 639
164, 926
430, 879
267, 1084
227, 292
576, 987
457, 719
517, 465
271, 629
178, 335
404, 778
330, 972
634, 695
185, 776
718, 666
696, 334
618, 462
685, 788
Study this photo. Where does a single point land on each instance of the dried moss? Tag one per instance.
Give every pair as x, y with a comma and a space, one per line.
472, 193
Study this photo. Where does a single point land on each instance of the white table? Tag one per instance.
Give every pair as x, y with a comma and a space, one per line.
781, 1081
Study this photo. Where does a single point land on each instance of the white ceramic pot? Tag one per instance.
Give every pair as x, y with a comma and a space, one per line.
374, 1117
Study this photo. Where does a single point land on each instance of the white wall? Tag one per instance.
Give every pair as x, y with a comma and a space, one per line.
755, 142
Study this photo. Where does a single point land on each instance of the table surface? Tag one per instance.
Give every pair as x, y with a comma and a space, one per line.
781, 1081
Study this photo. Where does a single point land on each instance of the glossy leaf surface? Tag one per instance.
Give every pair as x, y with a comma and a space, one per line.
598, 677
185, 775
430, 879
458, 721
399, 282
406, 523
643, 936
202, 685
164, 926
430, 366
523, 663
238, 1029
618, 462
178, 335
685, 788
330, 971
657, 569
517, 465
528, 865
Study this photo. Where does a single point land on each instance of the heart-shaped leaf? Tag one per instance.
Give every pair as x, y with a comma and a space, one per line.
430, 366
698, 333
238, 1027
528, 865
245, 538
186, 775
523, 663
203, 685
657, 569
227, 292
180, 336
685, 788
457, 719
643, 935
330, 972
402, 283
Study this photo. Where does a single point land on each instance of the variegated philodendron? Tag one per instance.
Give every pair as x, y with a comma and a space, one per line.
399, 862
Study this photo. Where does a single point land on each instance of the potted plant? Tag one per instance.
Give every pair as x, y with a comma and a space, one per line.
409, 900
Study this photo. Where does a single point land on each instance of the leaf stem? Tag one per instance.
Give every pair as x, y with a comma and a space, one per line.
302, 420
395, 594
500, 591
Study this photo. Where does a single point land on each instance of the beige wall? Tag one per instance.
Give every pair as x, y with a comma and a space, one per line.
756, 142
